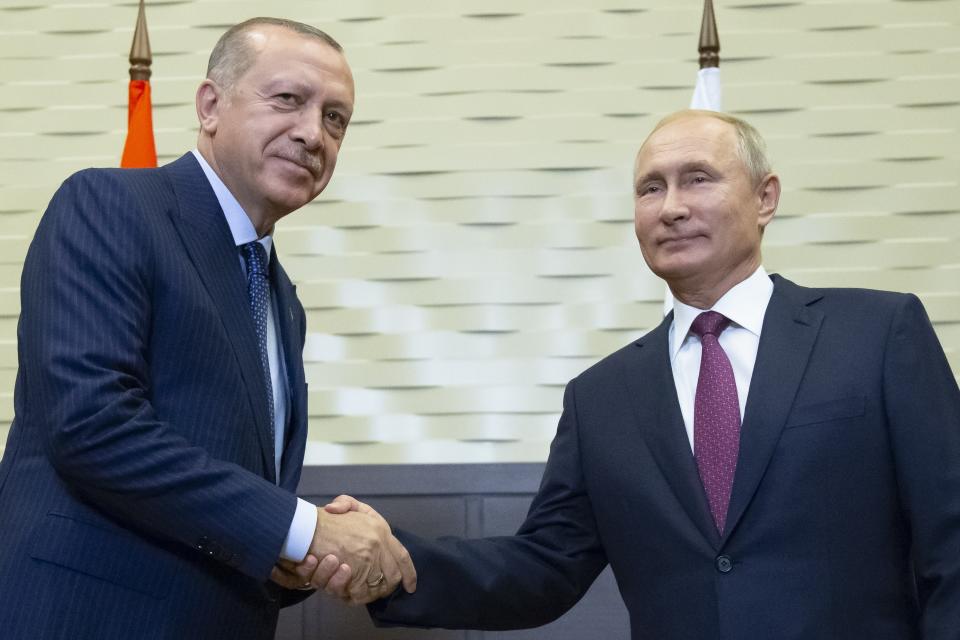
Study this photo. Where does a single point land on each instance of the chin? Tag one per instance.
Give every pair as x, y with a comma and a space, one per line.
675, 269
291, 199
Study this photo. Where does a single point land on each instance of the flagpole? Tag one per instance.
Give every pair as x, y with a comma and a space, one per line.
140, 55
139, 150
709, 39
708, 93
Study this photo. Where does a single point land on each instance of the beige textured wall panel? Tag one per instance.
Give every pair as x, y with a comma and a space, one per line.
480, 343
475, 248
355, 401
481, 290
848, 226
414, 428
433, 323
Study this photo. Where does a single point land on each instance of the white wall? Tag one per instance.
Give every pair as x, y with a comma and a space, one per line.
475, 249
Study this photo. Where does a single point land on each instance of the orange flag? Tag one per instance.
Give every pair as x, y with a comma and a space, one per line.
139, 150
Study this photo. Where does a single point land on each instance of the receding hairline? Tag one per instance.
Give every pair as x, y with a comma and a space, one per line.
234, 52
751, 147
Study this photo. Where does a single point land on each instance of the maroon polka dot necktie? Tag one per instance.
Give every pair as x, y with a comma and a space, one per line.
716, 416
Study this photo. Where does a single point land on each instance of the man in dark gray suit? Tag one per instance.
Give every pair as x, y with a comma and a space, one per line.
771, 461
146, 489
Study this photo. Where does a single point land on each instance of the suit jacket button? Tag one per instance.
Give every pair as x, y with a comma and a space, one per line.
724, 564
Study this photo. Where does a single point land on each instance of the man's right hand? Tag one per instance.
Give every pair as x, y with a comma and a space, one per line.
359, 537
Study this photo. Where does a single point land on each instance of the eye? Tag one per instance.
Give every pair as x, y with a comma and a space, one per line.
337, 120
700, 178
646, 189
287, 99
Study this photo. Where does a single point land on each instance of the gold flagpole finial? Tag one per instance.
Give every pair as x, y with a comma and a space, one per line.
140, 56
709, 40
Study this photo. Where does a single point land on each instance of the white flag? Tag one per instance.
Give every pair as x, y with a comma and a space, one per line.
708, 93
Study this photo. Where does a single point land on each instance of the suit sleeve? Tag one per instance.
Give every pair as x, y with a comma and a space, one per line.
923, 408
84, 337
524, 580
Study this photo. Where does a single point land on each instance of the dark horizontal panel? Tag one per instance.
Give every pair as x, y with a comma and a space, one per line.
422, 479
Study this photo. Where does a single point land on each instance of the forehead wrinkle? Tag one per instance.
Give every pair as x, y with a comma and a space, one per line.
277, 81
688, 156
694, 151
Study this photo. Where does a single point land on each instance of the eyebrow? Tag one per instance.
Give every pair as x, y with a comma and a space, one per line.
276, 83
304, 88
340, 104
686, 167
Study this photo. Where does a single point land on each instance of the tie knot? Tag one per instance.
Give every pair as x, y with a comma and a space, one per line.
709, 323
255, 257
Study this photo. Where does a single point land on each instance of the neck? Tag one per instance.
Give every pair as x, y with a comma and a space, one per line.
703, 293
262, 221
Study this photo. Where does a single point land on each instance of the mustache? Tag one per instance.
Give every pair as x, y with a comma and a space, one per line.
310, 161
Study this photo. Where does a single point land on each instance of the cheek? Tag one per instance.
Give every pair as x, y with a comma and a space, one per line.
644, 221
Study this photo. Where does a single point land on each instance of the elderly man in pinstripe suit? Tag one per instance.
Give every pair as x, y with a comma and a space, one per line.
146, 489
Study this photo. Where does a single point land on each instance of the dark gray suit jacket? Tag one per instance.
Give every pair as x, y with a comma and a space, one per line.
844, 521
137, 495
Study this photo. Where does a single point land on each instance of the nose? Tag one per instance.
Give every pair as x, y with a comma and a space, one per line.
308, 129
673, 208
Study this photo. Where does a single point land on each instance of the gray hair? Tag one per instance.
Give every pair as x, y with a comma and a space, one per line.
751, 147
232, 56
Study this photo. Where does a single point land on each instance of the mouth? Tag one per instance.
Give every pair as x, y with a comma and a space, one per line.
678, 240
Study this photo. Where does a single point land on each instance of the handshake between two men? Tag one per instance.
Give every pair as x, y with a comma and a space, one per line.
353, 556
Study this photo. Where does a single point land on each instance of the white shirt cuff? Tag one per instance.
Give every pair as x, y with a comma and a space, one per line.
301, 532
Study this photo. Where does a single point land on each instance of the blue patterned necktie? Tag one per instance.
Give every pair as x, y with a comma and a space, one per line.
716, 421
258, 290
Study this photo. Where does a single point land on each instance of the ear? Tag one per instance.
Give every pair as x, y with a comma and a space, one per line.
209, 99
769, 195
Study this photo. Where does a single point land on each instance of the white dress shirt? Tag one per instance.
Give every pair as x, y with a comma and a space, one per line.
304, 523
745, 305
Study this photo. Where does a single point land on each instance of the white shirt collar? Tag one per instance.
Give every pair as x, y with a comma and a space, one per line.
241, 228
745, 305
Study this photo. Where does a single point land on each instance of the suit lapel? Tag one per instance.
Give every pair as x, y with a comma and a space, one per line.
789, 331
654, 397
204, 232
290, 338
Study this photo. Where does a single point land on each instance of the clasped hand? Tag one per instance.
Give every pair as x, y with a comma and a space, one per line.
353, 556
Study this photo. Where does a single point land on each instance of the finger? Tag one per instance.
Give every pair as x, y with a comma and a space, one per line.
287, 565
285, 579
343, 504
326, 569
380, 585
339, 582
404, 562
339, 506
360, 589
302, 570
360, 593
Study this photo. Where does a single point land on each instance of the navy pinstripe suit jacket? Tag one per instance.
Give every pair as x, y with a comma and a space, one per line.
137, 495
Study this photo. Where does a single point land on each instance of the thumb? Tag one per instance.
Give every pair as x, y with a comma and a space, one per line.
343, 504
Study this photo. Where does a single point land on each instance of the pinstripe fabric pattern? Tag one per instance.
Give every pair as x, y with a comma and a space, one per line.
136, 494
